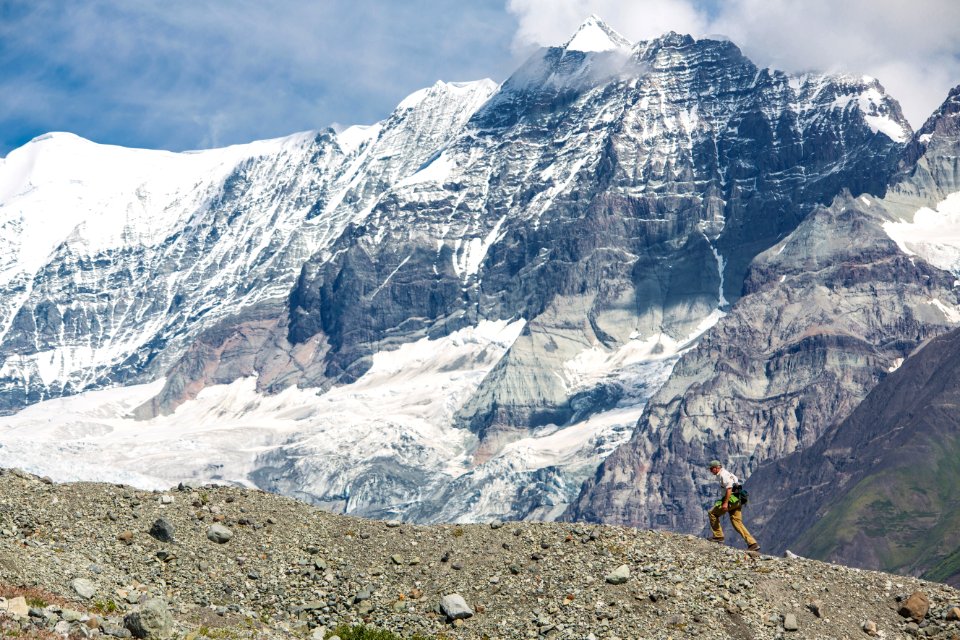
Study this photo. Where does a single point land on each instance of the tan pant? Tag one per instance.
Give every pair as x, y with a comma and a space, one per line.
736, 519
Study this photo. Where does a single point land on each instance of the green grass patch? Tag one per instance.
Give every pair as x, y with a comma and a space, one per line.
362, 632
910, 514
104, 606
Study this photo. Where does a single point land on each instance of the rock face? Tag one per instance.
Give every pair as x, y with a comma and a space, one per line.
827, 313
297, 569
612, 200
876, 490
601, 196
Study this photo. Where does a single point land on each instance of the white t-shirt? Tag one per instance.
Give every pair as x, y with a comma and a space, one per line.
727, 480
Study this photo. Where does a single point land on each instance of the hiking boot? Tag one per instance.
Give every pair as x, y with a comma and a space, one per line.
753, 547
717, 540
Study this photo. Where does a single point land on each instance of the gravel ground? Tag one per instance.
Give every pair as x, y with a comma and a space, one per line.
291, 570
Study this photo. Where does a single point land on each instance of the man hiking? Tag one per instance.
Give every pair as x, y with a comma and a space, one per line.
729, 503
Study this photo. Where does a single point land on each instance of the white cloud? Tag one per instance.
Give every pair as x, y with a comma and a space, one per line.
912, 48
551, 22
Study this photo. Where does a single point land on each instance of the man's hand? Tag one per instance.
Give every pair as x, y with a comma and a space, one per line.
725, 506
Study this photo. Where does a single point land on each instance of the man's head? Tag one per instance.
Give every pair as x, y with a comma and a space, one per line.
715, 467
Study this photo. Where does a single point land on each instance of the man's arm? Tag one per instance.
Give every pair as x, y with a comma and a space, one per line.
726, 498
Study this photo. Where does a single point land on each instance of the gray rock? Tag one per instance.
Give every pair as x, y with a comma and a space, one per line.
790, 622
869, 627
18, 607
219, 534
115, 630
455, 607
619, 575
84, 588
151, 621
162, 530
70, 615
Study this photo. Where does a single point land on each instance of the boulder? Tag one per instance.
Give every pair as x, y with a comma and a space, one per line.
162, 530
151, 621
18, 607
619, 575
219, 534
455, 607
915, 607
790, 622
84, 588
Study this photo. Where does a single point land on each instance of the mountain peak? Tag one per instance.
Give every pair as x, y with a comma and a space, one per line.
595, 35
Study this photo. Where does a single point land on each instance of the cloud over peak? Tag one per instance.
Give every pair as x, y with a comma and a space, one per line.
912, 48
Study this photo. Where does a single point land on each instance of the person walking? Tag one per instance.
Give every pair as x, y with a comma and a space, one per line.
730, 503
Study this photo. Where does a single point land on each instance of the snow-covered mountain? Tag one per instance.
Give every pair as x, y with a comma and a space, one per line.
115, 258
456, 313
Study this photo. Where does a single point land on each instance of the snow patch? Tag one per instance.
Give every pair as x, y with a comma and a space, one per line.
482, 87
934, 235
468, 256
592, 365
951, 313
871, 102
352, 138
436, 172
595, 36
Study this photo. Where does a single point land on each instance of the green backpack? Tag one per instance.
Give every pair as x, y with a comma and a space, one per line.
740, 493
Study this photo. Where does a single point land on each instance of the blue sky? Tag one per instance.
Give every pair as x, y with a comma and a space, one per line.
189, 74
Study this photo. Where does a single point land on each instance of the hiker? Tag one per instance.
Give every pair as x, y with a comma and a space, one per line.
729, 503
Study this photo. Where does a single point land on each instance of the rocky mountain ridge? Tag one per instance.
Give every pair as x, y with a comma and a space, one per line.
891, 455
98, 560
827, 314
878, 489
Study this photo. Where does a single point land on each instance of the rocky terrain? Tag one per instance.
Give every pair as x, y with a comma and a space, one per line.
89, 560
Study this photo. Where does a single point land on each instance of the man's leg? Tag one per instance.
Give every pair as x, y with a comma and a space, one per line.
715, 515
736, 518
